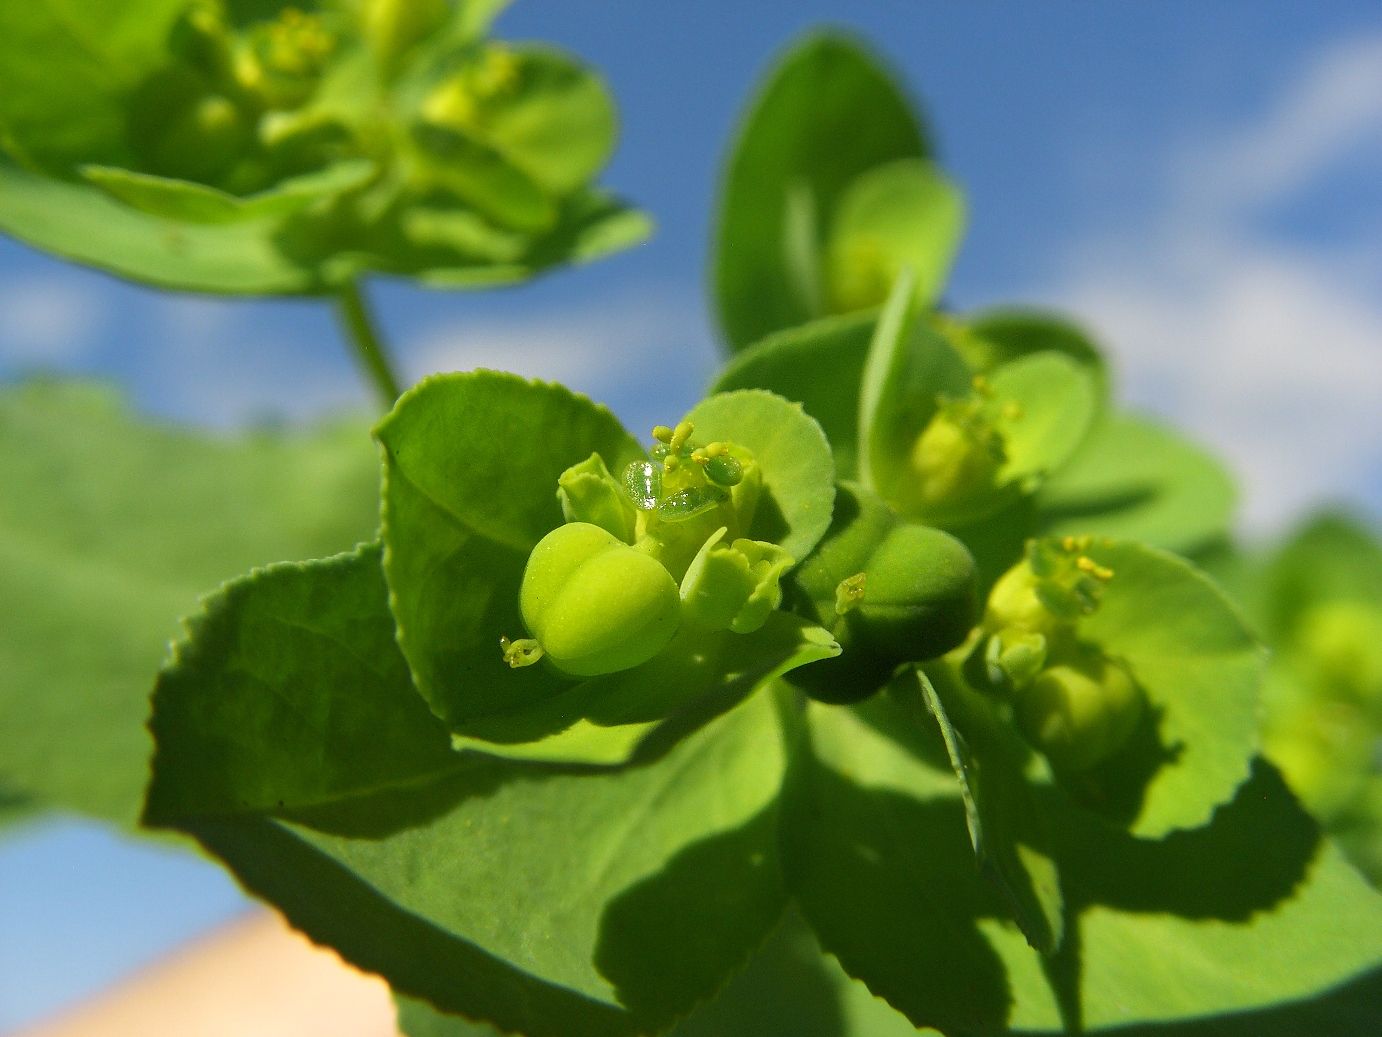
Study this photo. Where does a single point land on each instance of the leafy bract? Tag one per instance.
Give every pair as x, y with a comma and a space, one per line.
1043, 403
793, 455
1190, 652
472, 465
1251, 924
819, 365
788, 174
112, 527
289, 690
551, 904
904, 215
1137, 479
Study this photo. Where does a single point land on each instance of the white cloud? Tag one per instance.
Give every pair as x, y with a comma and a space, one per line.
1331, 112
1269, 350
648, 339
48, 321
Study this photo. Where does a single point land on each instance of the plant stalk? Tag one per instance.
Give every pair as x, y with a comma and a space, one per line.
370, 351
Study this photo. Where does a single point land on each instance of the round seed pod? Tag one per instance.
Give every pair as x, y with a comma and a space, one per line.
1080, 710
889, 591
595, 604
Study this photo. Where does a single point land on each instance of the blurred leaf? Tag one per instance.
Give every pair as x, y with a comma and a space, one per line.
556, 122
1331, 558
905, 215
82, 223
112, 527
1043, 403
1138, 480
991, 337
788, 172
185, 200
289, 691
665, 882
67, 66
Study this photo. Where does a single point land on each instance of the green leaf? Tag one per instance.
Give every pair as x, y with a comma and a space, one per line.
905, 215
1007, 824
452, 247
790, 988
1043, 404
111, 529
1189, 651
793, 455
909, 366
1249, 925
187, 201
1253, 920
471, 469
665, 881
606, 720
72, 114
876, 852
1331, 558
473, 463
67, 66
788, 172
82, 223
289, 691
1136, 479
819, 365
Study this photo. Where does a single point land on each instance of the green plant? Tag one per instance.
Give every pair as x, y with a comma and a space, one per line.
885, 671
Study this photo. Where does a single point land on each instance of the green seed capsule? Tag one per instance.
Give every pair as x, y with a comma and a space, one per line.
594, 604
1079, 711
890, 592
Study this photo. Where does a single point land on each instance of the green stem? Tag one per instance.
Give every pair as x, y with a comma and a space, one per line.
369, 347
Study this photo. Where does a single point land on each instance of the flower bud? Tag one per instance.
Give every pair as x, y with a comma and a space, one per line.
595, 605
1080, 709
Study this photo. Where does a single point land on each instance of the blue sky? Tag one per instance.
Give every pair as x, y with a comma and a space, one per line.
1201, 184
